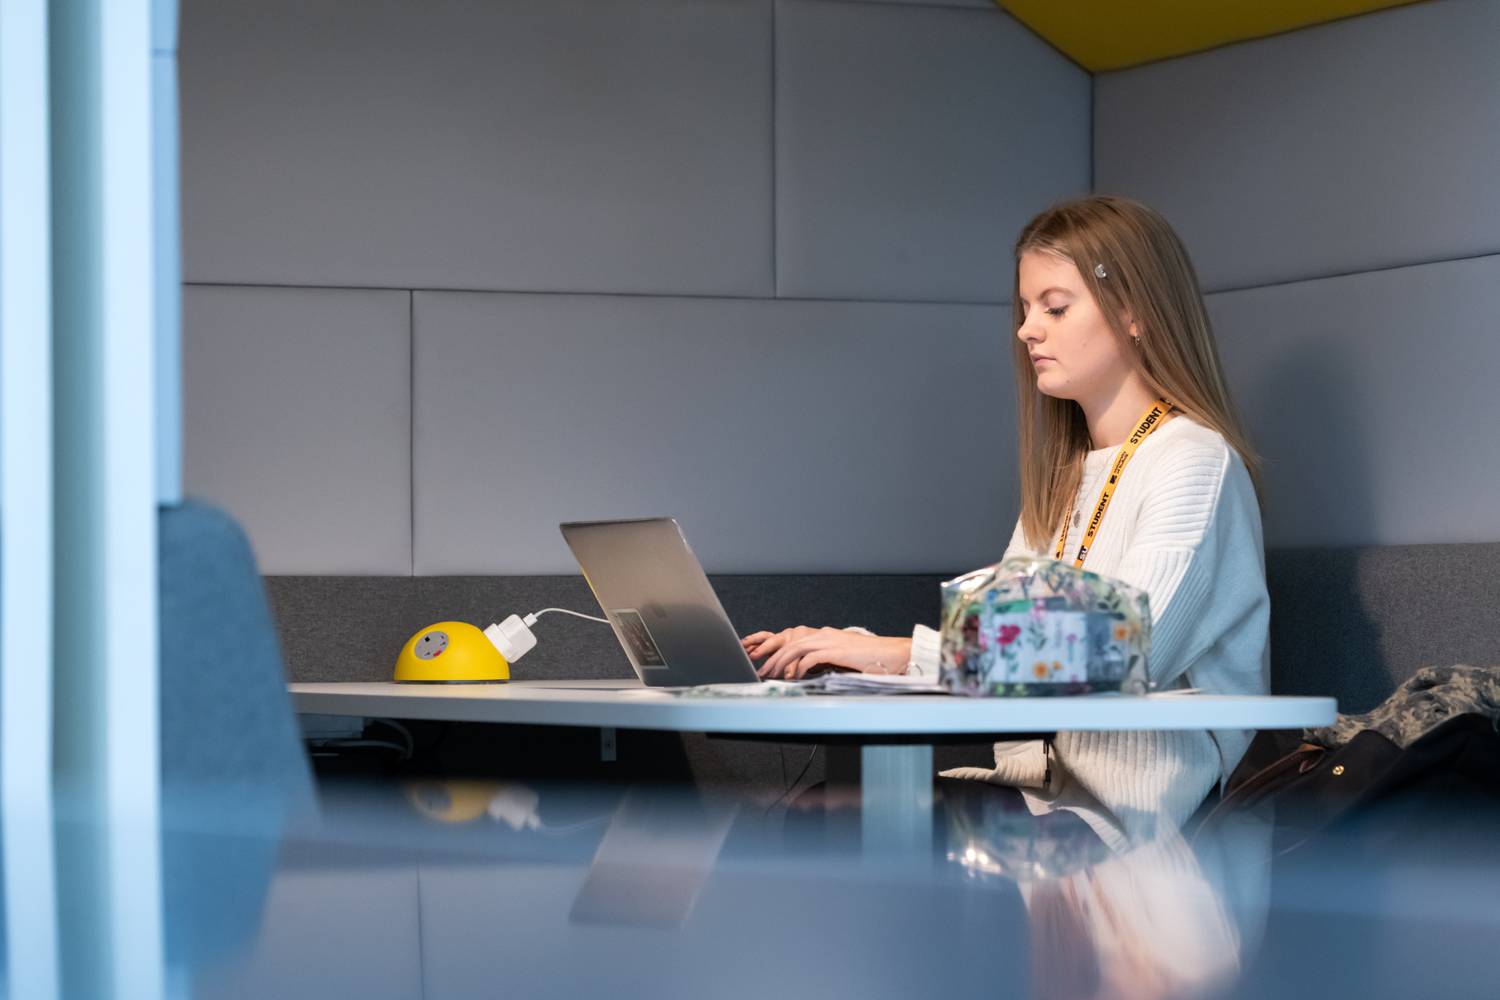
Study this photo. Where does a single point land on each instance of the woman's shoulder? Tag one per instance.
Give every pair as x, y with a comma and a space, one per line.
1197, 467
1193, 479
1187, 447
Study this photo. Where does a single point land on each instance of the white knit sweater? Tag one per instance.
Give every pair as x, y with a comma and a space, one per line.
1185, 527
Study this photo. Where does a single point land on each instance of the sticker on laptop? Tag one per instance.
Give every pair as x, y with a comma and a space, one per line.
638, 641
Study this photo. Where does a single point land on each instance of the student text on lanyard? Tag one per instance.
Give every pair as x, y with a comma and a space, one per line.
1150, 421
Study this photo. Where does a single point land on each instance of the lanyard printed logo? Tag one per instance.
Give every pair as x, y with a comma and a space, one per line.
1149, 422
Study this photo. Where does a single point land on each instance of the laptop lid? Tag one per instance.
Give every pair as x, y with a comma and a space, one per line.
653, 591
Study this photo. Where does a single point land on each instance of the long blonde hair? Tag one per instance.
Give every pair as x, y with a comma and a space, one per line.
1151, 277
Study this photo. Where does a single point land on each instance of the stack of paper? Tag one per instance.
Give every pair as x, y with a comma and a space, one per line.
765, 689
858, 683
833, 682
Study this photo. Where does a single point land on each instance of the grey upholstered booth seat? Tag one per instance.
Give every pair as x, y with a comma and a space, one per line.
1356, 622
1347, 622
233, 768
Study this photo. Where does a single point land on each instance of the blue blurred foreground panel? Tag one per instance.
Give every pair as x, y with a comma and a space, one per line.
233, 768
226, 717
28, 888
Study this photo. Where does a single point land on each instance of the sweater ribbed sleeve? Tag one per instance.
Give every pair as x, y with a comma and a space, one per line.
1172, 554
925, 646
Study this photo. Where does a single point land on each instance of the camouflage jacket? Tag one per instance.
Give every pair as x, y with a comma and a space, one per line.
1425, 700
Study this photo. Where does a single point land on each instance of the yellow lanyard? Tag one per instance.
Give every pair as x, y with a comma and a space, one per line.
1150, 421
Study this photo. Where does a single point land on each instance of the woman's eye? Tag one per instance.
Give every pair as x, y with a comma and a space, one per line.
1058, 311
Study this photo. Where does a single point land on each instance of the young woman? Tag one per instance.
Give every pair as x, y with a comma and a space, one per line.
1112, 341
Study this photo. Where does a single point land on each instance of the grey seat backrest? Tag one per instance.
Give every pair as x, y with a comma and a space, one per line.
226, 716
1355, 622
351, 628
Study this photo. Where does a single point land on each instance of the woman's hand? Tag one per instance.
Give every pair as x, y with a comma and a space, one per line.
791, 653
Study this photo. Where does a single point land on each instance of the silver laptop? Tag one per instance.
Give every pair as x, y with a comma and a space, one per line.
653, 591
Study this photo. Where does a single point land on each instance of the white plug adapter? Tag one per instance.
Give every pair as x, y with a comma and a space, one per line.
512, 638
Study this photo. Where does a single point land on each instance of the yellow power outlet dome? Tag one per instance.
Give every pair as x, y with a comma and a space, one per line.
454, 801
451, 653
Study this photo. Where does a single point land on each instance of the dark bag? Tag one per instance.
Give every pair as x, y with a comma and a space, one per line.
1314, 789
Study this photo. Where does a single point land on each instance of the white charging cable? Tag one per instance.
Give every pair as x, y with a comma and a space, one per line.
531, 618
514, 638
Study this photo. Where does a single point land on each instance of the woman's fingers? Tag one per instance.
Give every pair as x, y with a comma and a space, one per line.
772, 666
789, 654
777, 660
776, 665
806, 662
759, 644
765, 648
768, 670
829, 647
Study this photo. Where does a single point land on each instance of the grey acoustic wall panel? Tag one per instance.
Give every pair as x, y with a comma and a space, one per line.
297, 420
912, 144
803, 437
1367, 142
1372, 397
533, 144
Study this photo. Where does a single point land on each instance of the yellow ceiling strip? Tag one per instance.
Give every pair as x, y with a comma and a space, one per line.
1112, 34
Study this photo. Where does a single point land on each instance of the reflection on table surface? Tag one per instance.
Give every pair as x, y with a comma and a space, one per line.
467, 887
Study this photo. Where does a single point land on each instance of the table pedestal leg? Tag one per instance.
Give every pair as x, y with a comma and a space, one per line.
896, 800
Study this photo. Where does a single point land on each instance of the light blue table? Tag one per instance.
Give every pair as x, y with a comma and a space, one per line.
895, 774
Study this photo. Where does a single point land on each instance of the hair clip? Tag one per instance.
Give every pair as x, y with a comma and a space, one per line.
1099, 270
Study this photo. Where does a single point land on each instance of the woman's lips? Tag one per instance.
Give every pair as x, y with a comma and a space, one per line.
1038, 359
